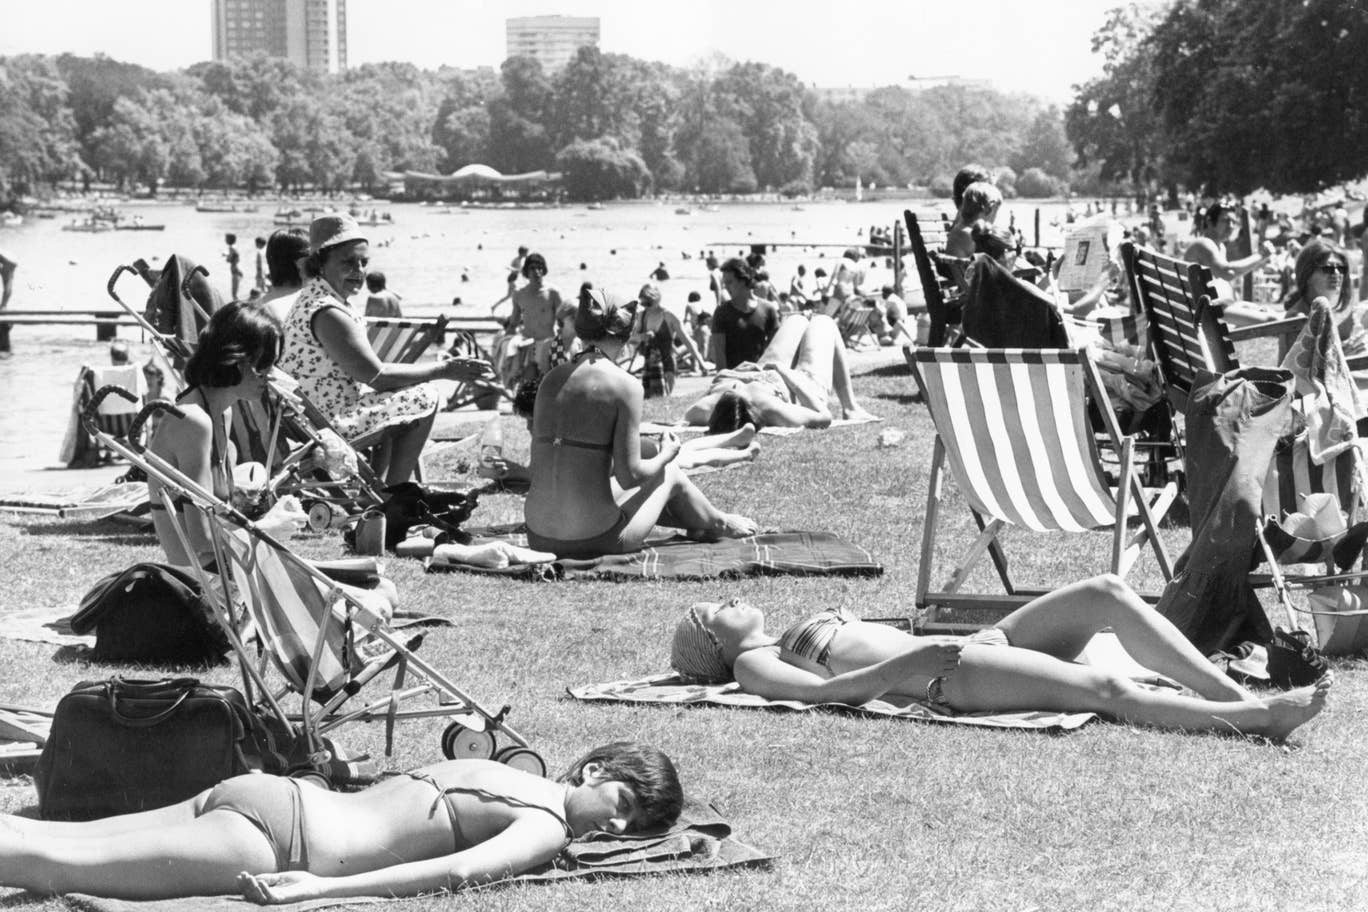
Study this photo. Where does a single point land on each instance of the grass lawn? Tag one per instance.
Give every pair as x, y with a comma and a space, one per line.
863, 813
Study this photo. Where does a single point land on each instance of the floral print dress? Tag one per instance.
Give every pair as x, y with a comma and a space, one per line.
355, 409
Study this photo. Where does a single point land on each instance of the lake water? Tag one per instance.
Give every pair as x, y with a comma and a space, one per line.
425, 253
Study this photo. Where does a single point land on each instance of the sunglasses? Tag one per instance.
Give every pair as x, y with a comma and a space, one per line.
1333, 269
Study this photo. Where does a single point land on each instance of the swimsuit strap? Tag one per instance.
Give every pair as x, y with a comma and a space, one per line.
567, 441
444, 796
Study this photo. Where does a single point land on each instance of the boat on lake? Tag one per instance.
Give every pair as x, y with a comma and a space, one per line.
289, 217
89, 225
11, 220
224, 207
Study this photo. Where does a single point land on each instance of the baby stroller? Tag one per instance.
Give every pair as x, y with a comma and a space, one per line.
326, 640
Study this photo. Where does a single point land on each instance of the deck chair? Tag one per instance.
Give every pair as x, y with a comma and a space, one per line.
852, 318
114, 415
482, 393
310, 630
404, 341
1012, 426
941, 295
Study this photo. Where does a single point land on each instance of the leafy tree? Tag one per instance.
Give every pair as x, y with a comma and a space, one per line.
1045, 146
37, 131
767, 103
131, 149
94, 84
519, 140
598, 169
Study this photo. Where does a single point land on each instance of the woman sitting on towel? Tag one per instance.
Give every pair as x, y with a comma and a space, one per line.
232, 360
277, 840
369, 401
800, 372
585, 435
1024, 663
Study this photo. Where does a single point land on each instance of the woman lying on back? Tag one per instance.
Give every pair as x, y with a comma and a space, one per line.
276, 840
1021, 664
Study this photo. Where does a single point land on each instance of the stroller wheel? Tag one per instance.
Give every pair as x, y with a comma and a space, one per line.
522, 758
461, 743
320, 516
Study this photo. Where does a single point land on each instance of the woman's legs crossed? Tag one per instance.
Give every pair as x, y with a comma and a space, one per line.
672, 498
1061, 623
1002, 678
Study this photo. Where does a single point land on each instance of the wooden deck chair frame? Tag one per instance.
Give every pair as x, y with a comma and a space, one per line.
404, 341
938, 295
482, 393
322, 678
1011, 426
852, 321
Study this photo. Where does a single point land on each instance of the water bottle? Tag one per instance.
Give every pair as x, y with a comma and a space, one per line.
923, 328
491, 445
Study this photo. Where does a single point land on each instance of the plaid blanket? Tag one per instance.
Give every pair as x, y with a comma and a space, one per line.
700, 841
774, 553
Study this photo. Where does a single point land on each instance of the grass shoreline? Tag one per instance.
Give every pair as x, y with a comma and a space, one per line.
862, 812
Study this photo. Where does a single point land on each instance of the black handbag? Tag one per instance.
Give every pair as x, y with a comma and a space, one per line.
150, 613
120, 746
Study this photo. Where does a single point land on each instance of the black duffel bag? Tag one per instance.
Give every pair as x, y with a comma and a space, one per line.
150, 613
120, 746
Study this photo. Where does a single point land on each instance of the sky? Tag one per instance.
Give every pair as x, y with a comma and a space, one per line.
1041, 47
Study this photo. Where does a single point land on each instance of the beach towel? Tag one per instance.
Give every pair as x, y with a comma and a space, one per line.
700, 842
652, 427
769, 553
84, 503
1103, 651
43, 625
1316, 360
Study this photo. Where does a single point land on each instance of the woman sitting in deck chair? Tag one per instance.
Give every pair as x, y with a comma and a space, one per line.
277, 840
585, 436
1021, 664
234, 356
802, 369
370, 402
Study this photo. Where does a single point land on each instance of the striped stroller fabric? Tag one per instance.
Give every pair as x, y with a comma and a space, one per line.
404, 341
288, 608
1014, 425
1132, 329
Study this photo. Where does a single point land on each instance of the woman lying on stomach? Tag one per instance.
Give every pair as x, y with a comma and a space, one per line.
277, 840
801, 380
1022, 664
586, 434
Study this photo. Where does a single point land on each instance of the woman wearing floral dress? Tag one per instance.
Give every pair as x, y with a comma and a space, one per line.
369, 401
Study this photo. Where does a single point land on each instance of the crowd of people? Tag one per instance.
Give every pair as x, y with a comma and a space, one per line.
597, 485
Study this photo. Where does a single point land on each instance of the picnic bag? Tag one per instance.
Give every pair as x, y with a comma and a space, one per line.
124, 745
150, 613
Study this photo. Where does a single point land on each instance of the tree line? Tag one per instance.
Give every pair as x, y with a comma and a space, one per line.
1228, 96
615, 126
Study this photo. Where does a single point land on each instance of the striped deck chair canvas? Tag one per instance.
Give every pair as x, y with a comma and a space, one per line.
114, 416
404, 341
1012, 425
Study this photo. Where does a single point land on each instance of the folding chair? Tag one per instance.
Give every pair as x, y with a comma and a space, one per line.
113, 417
483, 393
310, 629
404, 341
1012, 423
852, 318
941, 295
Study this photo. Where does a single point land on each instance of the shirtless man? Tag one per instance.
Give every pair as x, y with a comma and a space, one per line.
1220, 226
535, 307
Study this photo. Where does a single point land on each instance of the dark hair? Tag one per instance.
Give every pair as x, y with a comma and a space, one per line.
1213, 214
979, 199
992, 240
237, 334
755, 260
649, 773
284, 250
710, 262
230, 238
525, 397
731, 413
739, 268
533, 260
522, 251
1314, 255
969, 174
601, 316
260, 242
694, 296
375, 280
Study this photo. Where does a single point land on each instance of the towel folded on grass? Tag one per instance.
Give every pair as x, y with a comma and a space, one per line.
777, 553
700, 841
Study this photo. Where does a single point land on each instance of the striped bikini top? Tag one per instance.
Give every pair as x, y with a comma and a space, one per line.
811, 639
